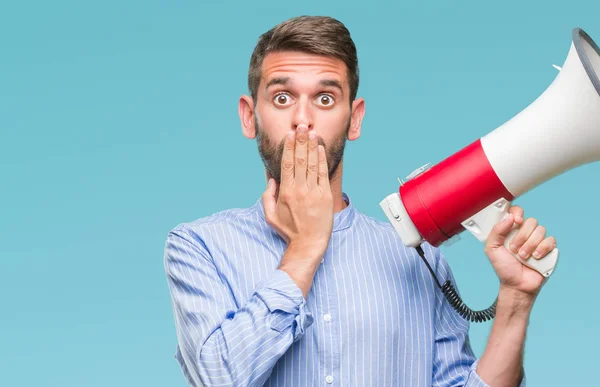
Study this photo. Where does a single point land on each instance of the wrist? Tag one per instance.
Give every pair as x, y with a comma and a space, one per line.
306, 250
514, 303
301, 264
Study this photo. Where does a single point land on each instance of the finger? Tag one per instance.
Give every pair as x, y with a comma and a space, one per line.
268, 198
545, 247
499, 232
536, 237
518, 214
287, 160
300, 156
323, 169
313, 160
525, 231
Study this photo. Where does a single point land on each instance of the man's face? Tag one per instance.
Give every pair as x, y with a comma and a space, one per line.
298, 88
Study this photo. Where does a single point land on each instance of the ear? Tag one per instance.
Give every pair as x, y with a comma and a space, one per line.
246, 112
358, 112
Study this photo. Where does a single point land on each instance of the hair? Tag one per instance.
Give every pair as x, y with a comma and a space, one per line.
319, 35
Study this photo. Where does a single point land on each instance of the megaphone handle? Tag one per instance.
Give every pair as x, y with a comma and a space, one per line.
481, 224
545, 266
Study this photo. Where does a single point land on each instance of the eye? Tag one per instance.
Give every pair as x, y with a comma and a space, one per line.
282, 99
325, 100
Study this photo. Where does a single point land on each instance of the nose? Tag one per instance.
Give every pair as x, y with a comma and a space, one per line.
302, 115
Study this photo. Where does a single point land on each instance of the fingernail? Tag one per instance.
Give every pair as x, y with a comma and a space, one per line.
523, 254
290, 135
311, 135
302, 128
536, 254
513, 248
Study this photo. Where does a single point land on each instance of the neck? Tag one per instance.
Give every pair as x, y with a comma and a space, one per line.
336, 190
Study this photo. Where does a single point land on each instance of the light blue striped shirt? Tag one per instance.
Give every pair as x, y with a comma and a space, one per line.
373, 317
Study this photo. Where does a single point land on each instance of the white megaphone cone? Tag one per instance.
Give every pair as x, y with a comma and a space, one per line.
473, 188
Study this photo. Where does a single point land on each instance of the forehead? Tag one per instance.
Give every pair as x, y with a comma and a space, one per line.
290, 63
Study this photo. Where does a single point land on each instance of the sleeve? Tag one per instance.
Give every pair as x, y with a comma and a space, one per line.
455, 363
218, 343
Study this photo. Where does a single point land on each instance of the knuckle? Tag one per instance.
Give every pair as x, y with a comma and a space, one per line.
322, 174
532, 222
287, 165
313, 168
300, 160
302, 193
285, 197
529, 247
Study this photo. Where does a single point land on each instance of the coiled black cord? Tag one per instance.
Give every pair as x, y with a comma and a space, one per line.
451, 294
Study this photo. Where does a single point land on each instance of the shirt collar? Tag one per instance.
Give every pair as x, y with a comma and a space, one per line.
341, 219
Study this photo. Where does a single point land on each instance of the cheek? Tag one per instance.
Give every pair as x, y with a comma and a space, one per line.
272, 127
330, 127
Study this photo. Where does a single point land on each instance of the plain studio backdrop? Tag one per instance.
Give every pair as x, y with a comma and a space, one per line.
118, 120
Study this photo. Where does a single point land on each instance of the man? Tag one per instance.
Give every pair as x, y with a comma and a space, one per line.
302, 289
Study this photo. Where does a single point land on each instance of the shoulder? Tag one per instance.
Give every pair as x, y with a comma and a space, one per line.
222, 220
220, 224
383, 228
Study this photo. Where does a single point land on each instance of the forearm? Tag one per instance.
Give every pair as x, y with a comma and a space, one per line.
245, 347
502, 361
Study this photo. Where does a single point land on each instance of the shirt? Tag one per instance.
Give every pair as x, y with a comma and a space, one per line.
373, 317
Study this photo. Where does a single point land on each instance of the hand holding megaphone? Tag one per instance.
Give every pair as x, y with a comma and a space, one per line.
529, 236
481, 224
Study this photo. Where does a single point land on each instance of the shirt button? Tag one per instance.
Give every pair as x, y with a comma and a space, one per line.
327, 317
329, 379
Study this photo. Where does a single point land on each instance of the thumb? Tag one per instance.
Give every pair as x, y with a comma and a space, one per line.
268, 198
500, 231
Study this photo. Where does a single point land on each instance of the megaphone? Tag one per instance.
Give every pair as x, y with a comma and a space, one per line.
473, 188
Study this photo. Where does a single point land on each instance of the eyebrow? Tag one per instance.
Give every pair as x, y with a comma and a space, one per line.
277, 81
332, 83
322, 82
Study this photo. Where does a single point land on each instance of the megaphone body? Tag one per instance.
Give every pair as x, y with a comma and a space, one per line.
473, 188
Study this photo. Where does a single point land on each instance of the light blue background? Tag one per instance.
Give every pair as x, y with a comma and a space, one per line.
118, 120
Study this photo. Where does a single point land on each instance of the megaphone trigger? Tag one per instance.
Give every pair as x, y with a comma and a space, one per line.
481, 224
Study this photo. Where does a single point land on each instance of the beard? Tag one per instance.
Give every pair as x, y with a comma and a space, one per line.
271, 154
